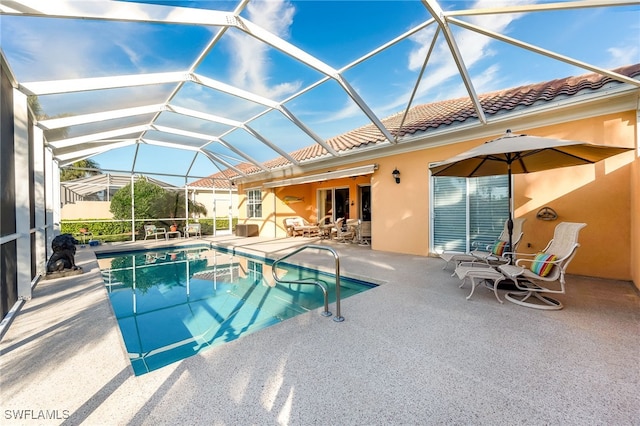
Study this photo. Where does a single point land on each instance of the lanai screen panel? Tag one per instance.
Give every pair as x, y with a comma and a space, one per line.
268, 78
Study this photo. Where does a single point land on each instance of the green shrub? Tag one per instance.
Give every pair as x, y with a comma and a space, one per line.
108, 230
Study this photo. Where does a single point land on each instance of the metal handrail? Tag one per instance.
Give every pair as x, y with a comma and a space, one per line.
338, 317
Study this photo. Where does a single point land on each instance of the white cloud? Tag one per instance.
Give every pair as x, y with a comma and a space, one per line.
489, 80
57, 50
473, 48
423, 40
250, 60
348, 111
623, 55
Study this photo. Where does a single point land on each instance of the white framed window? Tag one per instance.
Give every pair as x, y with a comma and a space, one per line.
254, 203
466, 213
254, 271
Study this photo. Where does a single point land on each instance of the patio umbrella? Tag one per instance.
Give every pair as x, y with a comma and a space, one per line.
513, 153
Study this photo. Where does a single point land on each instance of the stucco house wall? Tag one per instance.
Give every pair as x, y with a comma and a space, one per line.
603, 195
86, 210
634, 232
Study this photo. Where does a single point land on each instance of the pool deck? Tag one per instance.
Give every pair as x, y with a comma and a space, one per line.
411, 351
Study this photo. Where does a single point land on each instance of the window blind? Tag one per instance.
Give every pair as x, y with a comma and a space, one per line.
488, 209
468, 212
449, 214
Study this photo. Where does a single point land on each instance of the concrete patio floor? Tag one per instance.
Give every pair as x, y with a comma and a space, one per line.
411, 351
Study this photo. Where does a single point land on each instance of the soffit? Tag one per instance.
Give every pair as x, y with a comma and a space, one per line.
321, 177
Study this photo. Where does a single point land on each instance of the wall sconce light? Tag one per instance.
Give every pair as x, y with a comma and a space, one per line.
396, 175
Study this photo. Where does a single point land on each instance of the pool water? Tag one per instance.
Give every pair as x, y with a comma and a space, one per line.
173, 303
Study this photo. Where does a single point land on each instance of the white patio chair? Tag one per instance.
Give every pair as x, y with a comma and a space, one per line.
499, 250
482, 272
493, 252
193, 228
154, 231
300, 226
550, 265
344, 232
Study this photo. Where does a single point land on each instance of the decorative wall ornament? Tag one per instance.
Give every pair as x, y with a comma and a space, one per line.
546, 213
290, 199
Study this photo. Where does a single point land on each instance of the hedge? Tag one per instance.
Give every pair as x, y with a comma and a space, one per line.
110, 230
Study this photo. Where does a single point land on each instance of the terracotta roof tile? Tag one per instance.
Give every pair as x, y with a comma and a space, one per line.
222, 179
421, 118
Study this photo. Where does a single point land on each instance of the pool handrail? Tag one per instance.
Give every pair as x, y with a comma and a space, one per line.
338, 317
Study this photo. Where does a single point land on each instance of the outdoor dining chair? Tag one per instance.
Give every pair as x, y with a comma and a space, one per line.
345, 232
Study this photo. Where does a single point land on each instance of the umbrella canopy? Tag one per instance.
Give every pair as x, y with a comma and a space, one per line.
522, 154
513, 153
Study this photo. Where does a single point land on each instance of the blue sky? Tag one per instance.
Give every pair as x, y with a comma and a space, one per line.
335, 32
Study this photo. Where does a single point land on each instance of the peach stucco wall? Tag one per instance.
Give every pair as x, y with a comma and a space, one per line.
275, 209
603, 195
635, 216
86, 209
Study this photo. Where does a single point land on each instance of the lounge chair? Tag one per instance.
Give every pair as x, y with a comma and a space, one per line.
550, 265
499, 251
296, 226
494, 252
456, 257
154, 231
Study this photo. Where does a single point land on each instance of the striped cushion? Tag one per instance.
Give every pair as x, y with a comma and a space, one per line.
498, 248
539, 265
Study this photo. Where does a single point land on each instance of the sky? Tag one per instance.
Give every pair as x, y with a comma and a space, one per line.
337, 33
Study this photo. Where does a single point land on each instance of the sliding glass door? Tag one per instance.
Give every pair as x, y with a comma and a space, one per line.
467, 212
364, 195
333, 203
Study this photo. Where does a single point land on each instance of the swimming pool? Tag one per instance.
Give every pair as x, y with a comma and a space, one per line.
173, 303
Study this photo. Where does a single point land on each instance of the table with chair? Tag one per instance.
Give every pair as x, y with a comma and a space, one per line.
528, 271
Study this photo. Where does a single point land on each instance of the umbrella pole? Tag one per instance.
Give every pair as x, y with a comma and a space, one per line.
510, 220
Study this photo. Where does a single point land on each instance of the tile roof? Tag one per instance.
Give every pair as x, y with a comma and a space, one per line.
421, 118
220, 180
